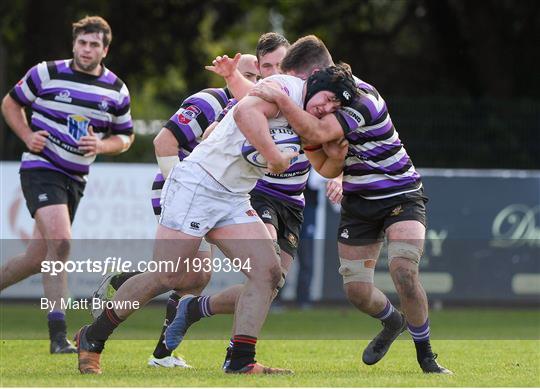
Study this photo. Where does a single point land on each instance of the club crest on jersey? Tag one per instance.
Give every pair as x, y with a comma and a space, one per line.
103, 106
186, 115
77, 126
64, 96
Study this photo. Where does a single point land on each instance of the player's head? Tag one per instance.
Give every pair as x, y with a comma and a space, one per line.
328, 89
91, 39
271, 48
305, 56
248, 67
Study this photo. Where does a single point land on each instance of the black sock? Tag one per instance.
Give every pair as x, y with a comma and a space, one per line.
243, 351
119, 279
57, 324
103, 326
198, 308
423, 350
161, 351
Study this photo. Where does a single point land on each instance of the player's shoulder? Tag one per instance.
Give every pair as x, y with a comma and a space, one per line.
222, 95
285, 79
290, 85
108, 77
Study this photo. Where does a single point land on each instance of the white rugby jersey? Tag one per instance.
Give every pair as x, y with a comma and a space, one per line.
221, 153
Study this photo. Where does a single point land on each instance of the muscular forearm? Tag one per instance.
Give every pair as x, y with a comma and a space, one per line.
326, 167
116, 144
238, 84
311, 129
15, 117
254, 125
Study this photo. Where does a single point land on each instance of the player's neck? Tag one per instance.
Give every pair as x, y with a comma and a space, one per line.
94, 72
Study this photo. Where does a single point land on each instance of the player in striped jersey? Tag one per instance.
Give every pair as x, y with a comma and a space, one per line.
383, 196
79, 109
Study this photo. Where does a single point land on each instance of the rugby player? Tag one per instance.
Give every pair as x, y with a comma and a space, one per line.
207, 195
176, 140
383, 197
79, 109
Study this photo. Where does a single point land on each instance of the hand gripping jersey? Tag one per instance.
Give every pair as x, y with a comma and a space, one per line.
221, 153
377, 165
64, 102
288, 186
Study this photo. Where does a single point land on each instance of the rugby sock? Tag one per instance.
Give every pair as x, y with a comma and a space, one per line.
228, 354
389, 315
243, 351
420, 337
57, 324
103, 326
198, 308
119, 279
161, 351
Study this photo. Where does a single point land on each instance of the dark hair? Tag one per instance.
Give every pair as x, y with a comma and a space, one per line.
91, 24
337, 79
305, 55
269, 42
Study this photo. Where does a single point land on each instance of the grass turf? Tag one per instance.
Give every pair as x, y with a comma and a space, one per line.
488, 348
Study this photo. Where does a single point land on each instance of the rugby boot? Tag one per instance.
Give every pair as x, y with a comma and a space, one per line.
176, 330
429, 365
60, 345
89, 352
379, 346
257, 368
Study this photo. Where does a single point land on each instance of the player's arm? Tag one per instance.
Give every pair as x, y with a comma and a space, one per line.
122, 135
23, 94
166, 150
227, 68
251, 116
15, 117
312, 130
209, 130
328, 159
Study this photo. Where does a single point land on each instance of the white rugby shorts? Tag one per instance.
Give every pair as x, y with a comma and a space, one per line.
193, 202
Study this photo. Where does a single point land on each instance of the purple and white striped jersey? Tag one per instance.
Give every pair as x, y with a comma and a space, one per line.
288, 186
377, 165
63, 101
188, 124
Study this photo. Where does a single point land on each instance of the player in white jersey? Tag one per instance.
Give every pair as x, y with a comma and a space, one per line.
79, 109
207, 194
383, 196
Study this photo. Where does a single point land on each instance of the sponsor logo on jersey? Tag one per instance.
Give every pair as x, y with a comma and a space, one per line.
64, 96
186, 115
78, 126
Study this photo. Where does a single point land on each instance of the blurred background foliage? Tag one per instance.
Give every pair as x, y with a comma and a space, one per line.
461, 77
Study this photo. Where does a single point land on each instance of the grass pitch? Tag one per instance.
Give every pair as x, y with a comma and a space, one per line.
489, 348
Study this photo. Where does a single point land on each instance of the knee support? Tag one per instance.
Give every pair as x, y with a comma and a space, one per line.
405, 251
358, 270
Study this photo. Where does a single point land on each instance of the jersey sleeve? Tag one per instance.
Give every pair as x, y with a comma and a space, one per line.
26, 91
122, 123
230, 105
